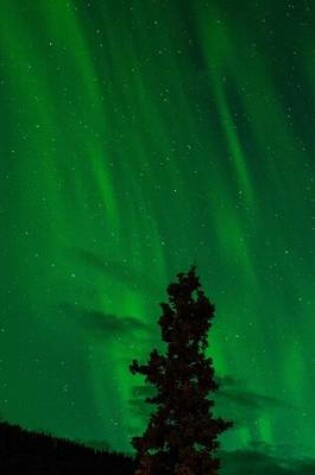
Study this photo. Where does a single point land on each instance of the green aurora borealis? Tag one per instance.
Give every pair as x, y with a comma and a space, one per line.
138, 137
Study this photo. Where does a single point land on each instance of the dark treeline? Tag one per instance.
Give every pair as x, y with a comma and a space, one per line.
30, 452
22, 451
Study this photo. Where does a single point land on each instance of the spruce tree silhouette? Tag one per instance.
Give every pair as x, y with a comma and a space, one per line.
181, 436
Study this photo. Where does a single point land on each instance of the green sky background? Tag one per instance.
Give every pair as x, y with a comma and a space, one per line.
136, 138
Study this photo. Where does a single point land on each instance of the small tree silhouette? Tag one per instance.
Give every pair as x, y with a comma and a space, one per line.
181, 436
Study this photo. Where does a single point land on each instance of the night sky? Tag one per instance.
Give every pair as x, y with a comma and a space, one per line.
139, 137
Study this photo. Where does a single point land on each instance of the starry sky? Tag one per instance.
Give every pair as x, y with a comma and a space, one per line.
138, 137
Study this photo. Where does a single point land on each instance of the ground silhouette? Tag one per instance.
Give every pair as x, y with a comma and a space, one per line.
37, 453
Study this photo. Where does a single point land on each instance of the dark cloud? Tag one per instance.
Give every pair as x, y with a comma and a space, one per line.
231, 390
252, 400
227, 381
250, 462
235, 391
232, 401
138, 407
122, 272
144, 391
101, 323
137, 403
260, 458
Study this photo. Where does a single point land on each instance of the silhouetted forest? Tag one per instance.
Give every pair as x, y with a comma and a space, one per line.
23, 451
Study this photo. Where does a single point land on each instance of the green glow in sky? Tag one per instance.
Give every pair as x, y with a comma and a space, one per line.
136, 138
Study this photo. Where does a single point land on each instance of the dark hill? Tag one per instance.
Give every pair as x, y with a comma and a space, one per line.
23, 451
